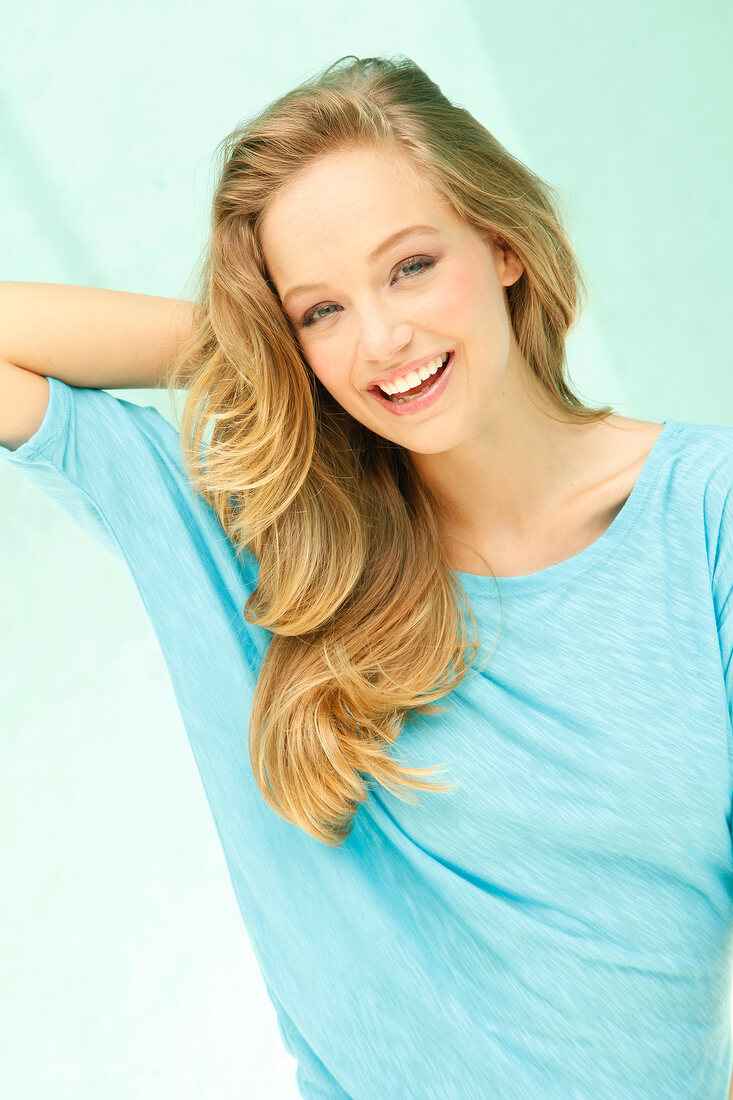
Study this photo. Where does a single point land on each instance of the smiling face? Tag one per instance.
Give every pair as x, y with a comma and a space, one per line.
368, 313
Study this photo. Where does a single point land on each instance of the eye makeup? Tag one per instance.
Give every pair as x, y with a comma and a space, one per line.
308, 319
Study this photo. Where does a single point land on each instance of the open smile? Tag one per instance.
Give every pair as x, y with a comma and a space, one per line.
420, 397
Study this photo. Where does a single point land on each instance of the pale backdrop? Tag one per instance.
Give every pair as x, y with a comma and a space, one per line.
125, 969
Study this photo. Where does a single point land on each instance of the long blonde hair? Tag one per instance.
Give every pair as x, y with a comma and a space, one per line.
367, 618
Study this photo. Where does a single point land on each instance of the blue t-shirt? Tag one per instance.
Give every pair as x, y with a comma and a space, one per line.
558, 925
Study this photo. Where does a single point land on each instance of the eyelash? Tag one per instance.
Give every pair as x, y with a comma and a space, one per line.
428, 262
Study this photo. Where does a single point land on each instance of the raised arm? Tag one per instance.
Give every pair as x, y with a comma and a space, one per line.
85, 336
100, 339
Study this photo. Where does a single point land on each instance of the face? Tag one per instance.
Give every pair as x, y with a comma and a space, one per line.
438, 289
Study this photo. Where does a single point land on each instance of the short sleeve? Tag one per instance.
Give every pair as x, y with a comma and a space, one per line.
116, 468
719, 538
106, 462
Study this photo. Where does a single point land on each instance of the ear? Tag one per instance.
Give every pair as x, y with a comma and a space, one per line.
509, 265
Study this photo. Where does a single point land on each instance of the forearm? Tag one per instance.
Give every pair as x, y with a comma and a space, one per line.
89, 337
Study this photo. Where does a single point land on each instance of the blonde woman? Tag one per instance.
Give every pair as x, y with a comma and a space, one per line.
389, 539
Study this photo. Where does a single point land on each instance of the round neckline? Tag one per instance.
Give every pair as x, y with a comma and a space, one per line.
476, 584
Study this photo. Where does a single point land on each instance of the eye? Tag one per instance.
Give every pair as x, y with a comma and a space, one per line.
425, 262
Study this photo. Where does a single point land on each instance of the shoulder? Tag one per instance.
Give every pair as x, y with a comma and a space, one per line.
704, 452
701, 476
690, 461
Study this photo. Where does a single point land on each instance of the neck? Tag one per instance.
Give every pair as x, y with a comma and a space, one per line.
519, 468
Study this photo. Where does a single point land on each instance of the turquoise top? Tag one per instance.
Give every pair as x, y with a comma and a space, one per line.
559, 925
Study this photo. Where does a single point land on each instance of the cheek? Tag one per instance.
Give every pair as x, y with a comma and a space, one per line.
460, 300
329, 372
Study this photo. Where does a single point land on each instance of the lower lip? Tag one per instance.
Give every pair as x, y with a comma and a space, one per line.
406, 408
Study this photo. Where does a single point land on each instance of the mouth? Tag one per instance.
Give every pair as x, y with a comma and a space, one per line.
420, 396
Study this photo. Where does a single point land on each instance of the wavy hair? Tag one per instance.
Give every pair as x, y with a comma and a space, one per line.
367, 618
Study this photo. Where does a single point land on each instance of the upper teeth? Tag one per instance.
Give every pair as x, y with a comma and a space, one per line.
415, 377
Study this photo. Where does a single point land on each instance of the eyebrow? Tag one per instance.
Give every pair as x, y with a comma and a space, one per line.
393, 239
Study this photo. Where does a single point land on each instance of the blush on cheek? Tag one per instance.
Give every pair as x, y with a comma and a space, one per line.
449, 311
469, 292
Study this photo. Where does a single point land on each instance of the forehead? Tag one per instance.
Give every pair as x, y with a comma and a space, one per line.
345, 200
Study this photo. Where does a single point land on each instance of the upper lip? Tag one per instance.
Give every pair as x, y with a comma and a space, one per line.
399, 372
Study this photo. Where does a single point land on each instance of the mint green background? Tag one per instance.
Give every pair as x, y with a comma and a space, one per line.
124, 967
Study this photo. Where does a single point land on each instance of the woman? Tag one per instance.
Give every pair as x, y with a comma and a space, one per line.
392, 448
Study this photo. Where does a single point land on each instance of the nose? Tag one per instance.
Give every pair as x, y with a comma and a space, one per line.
382, 338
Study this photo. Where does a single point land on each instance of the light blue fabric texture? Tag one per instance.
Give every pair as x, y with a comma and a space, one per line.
558, 926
